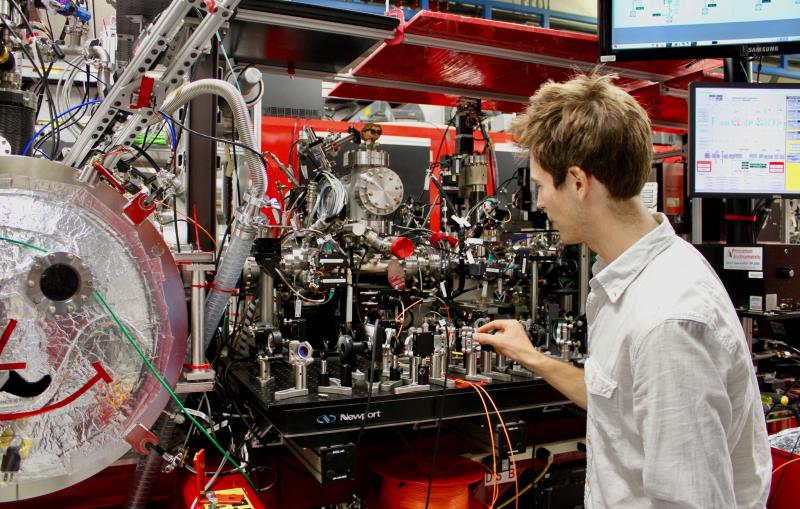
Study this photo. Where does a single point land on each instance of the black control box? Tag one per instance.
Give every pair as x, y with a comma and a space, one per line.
758, 277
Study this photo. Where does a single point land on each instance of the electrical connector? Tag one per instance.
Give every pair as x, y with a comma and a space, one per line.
10, 463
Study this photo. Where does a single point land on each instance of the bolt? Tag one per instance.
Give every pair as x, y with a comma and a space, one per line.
89, 283
37, 300
52, 309
51, 257
70, 256
70, 308
31, 283
36, 266
84, 266
84, 298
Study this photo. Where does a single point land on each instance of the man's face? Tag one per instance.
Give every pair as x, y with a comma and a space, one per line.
560, 203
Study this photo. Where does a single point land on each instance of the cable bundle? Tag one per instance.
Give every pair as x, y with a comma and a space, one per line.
332, 197
405, 483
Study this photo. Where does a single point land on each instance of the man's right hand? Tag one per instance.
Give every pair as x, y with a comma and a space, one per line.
509, 339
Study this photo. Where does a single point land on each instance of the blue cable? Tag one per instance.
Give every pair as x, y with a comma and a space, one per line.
173, 140
37, 133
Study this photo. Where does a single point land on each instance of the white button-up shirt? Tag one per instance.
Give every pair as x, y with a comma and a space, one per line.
674, 413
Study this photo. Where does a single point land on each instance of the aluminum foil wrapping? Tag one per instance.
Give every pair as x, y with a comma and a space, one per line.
99, 386
787, 440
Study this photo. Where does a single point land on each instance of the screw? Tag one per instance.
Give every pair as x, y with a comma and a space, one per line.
84, 266
70, 308
31, 283
51, 257
70, 256
52, 309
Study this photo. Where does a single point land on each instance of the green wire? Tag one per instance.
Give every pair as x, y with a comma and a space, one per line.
169, 390
23, 244
228, 61
152, 369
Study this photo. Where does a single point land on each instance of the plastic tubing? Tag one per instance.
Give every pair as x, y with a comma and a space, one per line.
244, 230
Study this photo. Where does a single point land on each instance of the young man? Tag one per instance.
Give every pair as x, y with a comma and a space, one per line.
674, 418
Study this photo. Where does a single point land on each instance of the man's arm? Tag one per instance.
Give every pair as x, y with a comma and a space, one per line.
683, 413
510, 339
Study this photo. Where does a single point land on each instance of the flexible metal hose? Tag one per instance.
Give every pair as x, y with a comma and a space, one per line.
148, 467
244, 229
241, 120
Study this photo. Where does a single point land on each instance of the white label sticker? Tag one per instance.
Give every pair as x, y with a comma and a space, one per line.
755, 275
524, 265
756, 303
502, 477
334, 280
771, 303
743, 258
474, 242
331, 260
443, 288
298, 308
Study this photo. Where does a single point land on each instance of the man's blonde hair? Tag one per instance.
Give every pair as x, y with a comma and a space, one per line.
591, 123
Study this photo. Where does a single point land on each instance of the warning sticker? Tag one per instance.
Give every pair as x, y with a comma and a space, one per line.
743, 258
226, 499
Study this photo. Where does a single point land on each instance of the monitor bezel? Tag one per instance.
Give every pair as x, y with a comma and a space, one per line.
741, 50
693, 87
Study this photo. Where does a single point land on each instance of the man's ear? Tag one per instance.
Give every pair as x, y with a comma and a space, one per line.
580, 180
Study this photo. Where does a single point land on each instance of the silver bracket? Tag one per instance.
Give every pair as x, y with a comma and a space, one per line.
290, 393
390, 385
335, 389
412, 388
451, 384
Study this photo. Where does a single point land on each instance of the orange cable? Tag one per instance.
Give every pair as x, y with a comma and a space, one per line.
403, 315
508, 439
184, 216
495, 490
446, 307
787, 463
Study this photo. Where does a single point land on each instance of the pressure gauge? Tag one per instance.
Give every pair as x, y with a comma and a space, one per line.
380, 191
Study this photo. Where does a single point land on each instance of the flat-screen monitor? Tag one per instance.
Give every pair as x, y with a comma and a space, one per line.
744, 139
670, 29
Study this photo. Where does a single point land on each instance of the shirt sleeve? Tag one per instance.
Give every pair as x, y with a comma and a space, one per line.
682, 411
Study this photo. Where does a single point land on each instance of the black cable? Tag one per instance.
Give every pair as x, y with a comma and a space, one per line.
787, 391
72, 119
94, 20
444, 137
370, 374
175, 222
758, 75
220, 140
147, 157
43, 76
439, 421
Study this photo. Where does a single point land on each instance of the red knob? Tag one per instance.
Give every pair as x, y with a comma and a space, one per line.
402, 247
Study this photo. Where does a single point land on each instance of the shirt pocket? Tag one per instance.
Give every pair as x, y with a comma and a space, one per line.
603, 400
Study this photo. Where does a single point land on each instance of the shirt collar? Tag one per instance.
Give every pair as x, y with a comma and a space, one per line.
614, 278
